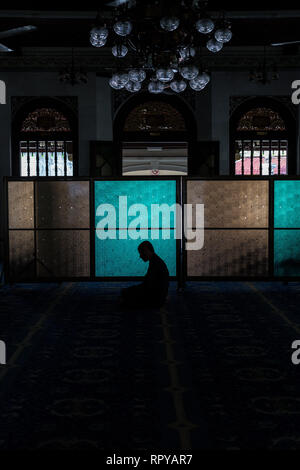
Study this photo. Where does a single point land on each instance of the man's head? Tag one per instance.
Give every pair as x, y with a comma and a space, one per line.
146, 250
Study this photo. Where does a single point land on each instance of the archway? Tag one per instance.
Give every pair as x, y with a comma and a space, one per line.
44, 139
262, 138
154, 135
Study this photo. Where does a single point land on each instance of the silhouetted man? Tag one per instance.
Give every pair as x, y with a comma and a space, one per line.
154, 289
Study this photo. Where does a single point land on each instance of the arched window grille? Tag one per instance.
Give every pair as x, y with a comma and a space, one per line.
155, 136
44, 143
261, 142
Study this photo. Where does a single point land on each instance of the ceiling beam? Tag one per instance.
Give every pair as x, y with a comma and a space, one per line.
251, 14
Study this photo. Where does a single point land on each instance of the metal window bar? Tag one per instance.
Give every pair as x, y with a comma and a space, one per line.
28, 158
260, 157
279, 157
47, 164
251, 170
55, 150
242, 157
236, 146
20, 156
270, 157
65, 158
257, 143
37, 157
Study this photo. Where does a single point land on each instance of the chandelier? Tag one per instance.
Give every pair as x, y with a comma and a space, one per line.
264, 73
164, 52
73, 75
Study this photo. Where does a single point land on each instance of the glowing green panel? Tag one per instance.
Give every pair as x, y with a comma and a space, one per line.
137, 192
287, 252
287, 204
121, 257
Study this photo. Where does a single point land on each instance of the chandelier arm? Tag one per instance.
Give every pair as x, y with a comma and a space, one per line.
132, 45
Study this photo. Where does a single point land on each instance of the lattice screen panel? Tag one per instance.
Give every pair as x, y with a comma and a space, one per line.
20, 204
231, 204
21, 254
287, 204
230, 253
63, 253
62, 204
49, 230
119, 257
57, 206
137, 192
236, 221
287, 228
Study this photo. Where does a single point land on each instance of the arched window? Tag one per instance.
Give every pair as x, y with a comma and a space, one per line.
44, 140
154, 117
154, 136
261, 140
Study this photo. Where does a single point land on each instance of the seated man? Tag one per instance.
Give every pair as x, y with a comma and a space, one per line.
154, 289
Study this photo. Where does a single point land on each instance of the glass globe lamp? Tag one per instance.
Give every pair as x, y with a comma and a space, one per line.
205, 25
115, 84
213, 45
133, 87
136, 75
189, 72
156, 87
186, 52
178, 86
197, 84
119, 50
118, 80
122, 28
165, 75
169, 23
203, 77
223, 35
98, 36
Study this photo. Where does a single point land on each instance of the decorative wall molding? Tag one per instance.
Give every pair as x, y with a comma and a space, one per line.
101, 61
17, 102
236, 101
121, 96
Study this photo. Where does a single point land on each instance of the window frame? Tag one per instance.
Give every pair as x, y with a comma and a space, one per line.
189, 135
18, 136
289, 134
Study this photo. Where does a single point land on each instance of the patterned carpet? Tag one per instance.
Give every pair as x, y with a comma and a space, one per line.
211, 370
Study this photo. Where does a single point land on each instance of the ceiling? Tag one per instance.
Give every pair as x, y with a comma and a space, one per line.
59, 26
64, 27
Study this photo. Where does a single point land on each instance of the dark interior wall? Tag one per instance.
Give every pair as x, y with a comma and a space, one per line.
203, 110
211, 108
